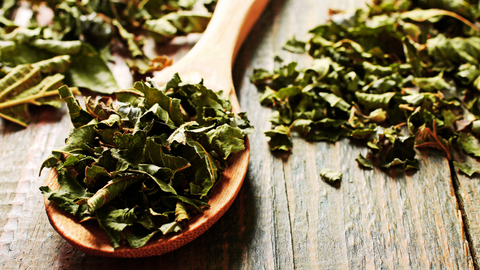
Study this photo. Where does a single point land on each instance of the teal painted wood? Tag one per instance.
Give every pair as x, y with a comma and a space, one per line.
285, 216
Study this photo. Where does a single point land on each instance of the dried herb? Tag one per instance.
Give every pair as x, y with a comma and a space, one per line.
145, 164
88, 33
330, 176
34, 84
397, 76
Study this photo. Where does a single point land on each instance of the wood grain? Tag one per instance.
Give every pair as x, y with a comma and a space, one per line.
468, 192
284, 216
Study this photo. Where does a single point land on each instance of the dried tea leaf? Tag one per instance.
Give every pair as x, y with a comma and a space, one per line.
466, 168
330, 176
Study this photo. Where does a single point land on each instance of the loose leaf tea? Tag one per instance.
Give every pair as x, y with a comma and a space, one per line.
88, 33
146, 164
396, 76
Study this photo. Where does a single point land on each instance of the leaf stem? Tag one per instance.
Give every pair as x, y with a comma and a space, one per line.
440, 146
31, 99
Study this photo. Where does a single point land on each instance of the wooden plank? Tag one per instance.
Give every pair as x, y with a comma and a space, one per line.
468, 192
375, 219
24, 227
285, 216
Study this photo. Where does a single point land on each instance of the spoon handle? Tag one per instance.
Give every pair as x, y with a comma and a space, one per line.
228, 28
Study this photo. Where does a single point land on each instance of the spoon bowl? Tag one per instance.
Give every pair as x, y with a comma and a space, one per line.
211, 59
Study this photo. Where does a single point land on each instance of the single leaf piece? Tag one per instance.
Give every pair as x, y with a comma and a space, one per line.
367, 163
294, 45
335, 101
109, 192
469, 144
145, 65
114, 221
69, 191
330, 176
89, 70
171, 227
412, 57
279, 138
132, 42
181, 212
466, 168
78, 115
157, 156
130, 147
423, 15
137, 240
371, 101
302, 126
152, 171
176, 24
206, 174
226, 140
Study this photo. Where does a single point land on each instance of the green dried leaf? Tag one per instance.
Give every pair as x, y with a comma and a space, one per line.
180, 212
66, 196
330, 176
373, 101
364, 161
93, 173
114, 221
411, 54
137, 240
469, 144
295, 46
130, 147
176, 24
89, 70
109, 192
466, 168
171, 227
279, 138
207, 169
156, 155
335, 101
226, 140
78, 115
129, 38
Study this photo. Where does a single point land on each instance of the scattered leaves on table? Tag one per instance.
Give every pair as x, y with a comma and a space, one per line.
89, 33
398, 76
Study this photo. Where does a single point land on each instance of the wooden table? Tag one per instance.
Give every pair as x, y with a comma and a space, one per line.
285, 216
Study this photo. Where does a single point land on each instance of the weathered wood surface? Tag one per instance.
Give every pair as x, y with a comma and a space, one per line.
468, 194
285, 216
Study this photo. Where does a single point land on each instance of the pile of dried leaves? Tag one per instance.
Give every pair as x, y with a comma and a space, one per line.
145, 165
84, 34
399, 75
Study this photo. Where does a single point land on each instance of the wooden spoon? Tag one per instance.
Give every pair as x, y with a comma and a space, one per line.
211, 59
